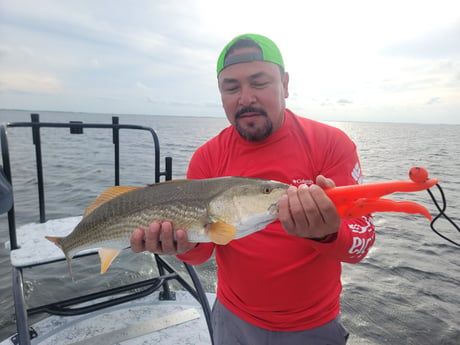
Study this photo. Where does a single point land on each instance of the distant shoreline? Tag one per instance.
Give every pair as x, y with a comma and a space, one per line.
70, 113
110, 114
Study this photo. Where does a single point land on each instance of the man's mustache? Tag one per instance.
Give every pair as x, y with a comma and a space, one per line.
245, 110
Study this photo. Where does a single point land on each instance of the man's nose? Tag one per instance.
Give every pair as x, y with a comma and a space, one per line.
247, 96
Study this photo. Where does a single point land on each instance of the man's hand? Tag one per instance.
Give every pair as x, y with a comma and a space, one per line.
308, 212
159, 238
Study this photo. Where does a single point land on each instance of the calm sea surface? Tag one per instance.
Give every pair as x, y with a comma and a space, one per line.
407, 290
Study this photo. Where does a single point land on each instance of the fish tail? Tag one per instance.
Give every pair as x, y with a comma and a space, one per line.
69, 265
58, 242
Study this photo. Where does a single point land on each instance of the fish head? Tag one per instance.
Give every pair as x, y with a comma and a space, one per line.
249, 204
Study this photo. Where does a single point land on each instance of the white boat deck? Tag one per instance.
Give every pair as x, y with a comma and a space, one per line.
146, 321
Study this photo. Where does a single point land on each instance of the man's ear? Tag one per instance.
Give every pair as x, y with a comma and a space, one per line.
286, 84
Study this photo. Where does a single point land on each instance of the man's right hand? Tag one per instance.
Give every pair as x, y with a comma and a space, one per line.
159, 238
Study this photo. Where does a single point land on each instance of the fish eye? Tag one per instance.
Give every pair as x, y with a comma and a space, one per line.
266, 190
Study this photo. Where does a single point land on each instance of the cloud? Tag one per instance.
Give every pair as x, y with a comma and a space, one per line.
29, 82
332, 103
159, 56
434, 100
343, 101
439, 43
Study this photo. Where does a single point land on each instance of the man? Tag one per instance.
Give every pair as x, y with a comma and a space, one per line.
280, 285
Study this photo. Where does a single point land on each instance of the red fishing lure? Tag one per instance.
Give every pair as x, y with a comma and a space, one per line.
359, 200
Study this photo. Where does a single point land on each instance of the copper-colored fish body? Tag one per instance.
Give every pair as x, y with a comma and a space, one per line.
217, 210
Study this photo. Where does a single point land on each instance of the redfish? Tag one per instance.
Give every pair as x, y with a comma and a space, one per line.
210, 210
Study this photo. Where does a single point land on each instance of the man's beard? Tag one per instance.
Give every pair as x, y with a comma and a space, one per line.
252, 133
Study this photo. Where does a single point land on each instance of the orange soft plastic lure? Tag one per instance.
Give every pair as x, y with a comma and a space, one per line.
359, 200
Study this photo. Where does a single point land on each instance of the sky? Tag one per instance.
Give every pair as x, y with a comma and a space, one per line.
378, 61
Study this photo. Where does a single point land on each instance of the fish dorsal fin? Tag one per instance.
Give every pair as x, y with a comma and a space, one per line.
221, 233
107, 255
107, 195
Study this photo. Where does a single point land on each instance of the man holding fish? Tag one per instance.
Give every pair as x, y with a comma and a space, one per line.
280, 285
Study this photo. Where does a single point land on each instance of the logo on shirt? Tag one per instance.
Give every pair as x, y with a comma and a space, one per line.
361, 244
357, 173
298, 181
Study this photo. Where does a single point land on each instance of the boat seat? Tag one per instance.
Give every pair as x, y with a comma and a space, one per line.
29, 248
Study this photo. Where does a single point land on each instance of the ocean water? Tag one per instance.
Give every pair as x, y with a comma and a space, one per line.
406, 291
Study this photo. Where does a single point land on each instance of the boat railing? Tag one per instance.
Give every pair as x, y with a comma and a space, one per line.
105, 298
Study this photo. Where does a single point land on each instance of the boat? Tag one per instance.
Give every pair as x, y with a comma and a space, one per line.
169, 308
146, 311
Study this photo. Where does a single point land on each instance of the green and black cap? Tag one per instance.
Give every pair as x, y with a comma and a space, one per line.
268, 52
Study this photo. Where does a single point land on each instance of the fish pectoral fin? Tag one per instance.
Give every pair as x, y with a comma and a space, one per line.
107, 195
107, 255
221, 233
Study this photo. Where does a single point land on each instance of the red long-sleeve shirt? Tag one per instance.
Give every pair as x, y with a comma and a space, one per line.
272, 279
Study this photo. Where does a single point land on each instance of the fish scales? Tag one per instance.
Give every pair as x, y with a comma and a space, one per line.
115, 221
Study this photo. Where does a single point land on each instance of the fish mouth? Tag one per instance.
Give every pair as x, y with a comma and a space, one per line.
273, 208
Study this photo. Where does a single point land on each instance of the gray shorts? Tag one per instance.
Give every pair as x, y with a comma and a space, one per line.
228, 329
